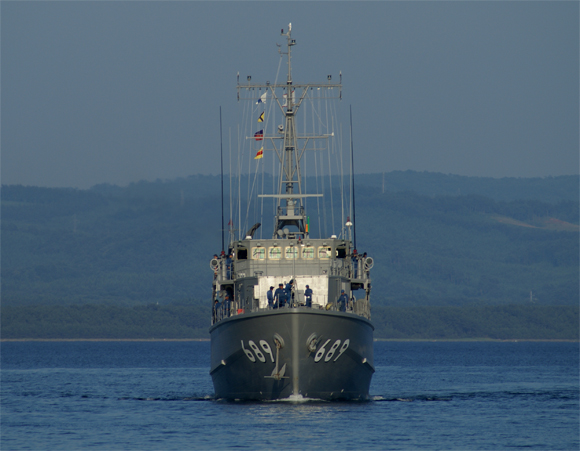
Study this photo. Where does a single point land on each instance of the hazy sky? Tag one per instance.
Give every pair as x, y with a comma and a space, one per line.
117, 92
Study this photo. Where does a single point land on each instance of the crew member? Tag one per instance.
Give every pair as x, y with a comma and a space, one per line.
355, 263
270, 296
226, 306
229, 264
342, 300
308, 296
279, 296
290, 293
216, 310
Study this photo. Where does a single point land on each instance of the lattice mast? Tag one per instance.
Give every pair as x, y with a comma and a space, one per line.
290, 209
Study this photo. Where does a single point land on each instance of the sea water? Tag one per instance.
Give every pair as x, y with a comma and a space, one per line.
158, 396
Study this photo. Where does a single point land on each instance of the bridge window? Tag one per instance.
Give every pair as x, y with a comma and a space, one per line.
291, 253
308, 252
324, 252
275, 253
258, 253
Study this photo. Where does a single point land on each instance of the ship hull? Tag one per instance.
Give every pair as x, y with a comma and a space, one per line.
320, 355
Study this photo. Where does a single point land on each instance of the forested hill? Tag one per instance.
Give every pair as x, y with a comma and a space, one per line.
545, 189
436, 240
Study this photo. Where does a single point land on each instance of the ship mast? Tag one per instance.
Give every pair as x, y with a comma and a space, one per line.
292, 213
290, 209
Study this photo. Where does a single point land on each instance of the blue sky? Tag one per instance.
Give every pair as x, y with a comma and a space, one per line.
117, 92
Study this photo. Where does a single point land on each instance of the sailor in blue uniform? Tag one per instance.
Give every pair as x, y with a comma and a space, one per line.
270, 296
229, 265
216, 310
226, 306
308, 296
289, 293
342, 300
279, 297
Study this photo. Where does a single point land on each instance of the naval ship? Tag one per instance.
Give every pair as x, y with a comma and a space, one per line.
311, 337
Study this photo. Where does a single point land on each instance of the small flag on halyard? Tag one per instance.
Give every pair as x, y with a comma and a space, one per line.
261, 118
259, 136
260, 154
262, 98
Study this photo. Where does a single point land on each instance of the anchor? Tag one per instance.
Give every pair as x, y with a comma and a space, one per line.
278, 374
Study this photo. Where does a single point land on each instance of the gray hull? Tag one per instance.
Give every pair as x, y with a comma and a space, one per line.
321, 355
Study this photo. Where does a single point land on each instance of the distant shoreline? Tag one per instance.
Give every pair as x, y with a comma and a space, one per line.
103, 339
508, 340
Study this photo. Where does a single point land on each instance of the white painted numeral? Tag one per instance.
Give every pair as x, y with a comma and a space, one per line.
266, 347
321, 351
332, 350
249, 353
257, 351
343, 348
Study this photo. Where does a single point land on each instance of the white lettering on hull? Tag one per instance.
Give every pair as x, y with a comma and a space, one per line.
254, 353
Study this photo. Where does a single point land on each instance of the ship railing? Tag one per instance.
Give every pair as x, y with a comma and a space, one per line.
352, 269
340, 268
360, 307
225, 310
359, 267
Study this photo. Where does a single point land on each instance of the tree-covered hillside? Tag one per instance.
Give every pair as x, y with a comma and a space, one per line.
544, 189
446, 250
151, 242
189, 320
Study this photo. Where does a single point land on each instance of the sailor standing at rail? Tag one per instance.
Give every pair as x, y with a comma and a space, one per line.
290, 293
308, 296
270, 296
229, 262
355, 263
216, 310
226, 306
342, 300
279, 296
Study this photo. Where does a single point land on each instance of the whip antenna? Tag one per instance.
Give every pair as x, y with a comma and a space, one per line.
352, 182
222, 177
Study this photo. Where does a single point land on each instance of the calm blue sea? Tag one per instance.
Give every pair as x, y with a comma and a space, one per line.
159, 396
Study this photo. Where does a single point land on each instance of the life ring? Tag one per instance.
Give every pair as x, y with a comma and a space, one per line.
368, 263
